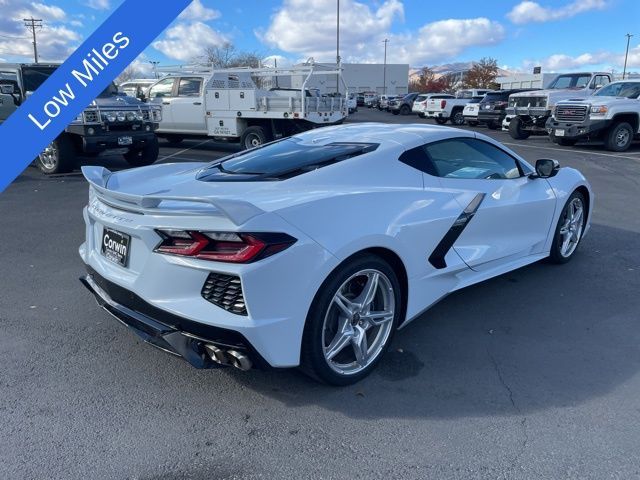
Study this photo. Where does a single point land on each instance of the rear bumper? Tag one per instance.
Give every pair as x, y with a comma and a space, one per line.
107, 142
435, 114
169, 332
491, 116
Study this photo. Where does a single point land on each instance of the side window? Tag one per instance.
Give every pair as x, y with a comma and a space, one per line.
189, 87
471, 158
600, 81
162, 89
418, 159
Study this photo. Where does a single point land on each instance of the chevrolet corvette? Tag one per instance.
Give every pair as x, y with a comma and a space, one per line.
311, 251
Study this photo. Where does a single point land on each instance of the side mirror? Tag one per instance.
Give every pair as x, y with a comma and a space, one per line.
546, 168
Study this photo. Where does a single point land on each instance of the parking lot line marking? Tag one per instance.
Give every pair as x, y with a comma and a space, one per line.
185, 150
574, 150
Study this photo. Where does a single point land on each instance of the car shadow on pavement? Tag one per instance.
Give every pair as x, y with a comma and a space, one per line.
543, 336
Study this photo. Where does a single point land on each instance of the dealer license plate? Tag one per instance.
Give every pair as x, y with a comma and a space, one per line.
125, 140
559, 132
115, 246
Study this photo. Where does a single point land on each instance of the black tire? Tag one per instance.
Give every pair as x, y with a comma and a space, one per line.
619, 137
440, 121
313, 361
457, 118
58, 157
516, 131
421, 115
492, 125
556, 255
253, 137
174, 139
405, 110
140, 157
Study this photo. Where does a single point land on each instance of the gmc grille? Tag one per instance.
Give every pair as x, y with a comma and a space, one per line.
225, 291
571, 113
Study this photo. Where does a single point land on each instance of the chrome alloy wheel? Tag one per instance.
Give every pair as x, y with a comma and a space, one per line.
49, 156
358, 322
571, 229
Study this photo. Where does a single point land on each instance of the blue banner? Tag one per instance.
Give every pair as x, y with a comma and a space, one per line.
80, 79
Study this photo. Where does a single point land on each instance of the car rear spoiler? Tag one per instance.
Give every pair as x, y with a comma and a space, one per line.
237, 211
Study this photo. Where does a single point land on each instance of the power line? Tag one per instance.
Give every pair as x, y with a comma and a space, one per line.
14, 38
33, 24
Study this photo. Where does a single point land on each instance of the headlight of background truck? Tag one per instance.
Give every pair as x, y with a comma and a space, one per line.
599, 110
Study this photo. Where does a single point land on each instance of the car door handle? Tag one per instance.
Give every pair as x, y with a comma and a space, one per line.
166, 103
197, 103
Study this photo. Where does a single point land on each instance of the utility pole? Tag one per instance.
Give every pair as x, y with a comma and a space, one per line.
624, 71
338, 44
32, 24
384, 71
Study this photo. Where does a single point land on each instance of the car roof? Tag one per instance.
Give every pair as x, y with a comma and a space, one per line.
387, 135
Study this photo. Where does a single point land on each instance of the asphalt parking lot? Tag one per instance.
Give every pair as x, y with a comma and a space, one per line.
535, 374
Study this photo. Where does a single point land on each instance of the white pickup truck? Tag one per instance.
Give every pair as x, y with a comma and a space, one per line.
451, 109
229, 104
612, 114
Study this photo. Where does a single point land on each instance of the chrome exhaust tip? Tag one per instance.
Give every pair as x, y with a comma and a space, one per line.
239, 360
216, 354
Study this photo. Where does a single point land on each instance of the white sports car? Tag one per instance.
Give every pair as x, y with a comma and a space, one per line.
312, 250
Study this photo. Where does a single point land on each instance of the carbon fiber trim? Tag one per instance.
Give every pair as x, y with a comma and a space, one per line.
437, 256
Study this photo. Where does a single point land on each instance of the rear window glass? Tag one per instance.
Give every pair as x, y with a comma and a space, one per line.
283, 159
493, 97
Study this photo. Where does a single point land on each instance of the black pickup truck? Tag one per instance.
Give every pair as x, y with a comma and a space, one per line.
111, 121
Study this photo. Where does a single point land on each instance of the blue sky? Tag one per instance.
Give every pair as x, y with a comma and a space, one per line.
557, 34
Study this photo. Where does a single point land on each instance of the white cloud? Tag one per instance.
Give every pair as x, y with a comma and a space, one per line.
603, 60
55, 44
46, 12
308, 29
445, 39
99, 4
530, 12
187, 41
197, 11
56, 40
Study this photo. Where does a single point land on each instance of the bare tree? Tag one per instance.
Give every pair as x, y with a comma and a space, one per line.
482, 74
226, 56
127, 74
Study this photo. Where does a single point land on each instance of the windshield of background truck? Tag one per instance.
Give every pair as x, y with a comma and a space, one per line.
110, 91
628, 90
571, 81
35, 76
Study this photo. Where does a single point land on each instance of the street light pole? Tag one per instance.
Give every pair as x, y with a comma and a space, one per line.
624, 71
155, 67
384, 70
337, 44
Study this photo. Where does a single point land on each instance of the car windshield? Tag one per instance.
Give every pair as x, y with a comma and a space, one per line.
35, 76
284, 158
421, 98
576, 80
626, 89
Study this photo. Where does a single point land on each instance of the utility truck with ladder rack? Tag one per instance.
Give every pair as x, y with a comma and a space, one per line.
249, 105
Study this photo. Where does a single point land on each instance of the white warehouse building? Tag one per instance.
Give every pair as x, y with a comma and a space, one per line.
364, 77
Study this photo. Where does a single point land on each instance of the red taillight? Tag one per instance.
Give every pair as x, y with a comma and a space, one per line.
222, 246
443, 103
